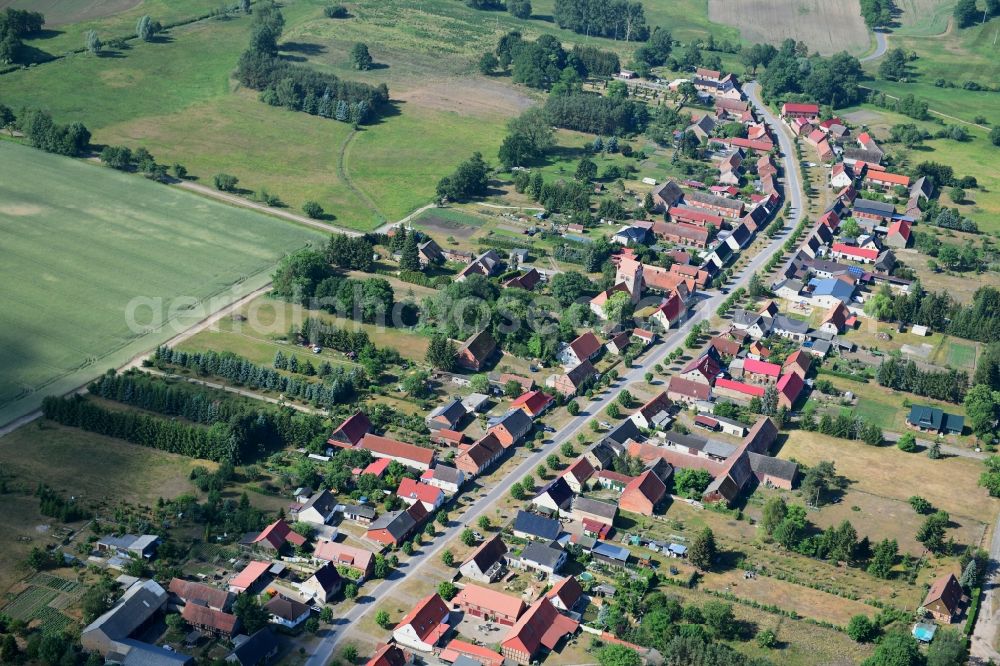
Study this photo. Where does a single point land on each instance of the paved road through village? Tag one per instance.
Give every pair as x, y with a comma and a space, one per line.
482, 506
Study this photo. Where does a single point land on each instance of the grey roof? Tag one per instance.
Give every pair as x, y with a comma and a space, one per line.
254, 649
452, 411
623, 432
362, 510
610, 551
710, 446
446, 474
747, 318
783, 323
545, 554
535, 525
596, 507
558, 490
322, 501
712, 200
328, 577
516, 421
826, 266
782, 469
794, 285
873, 206
397, 523
821, 346
741, 234
145, 654
136, 606
604, 454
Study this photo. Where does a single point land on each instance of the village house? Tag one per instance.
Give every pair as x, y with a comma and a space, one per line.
411, 491
854, 253
111, 631
274, 537
585, 508
760, 372
702, 369
695, 216
324, 584
350, 432
703, 127
410, 455
798, 362
526, 281
489, 604
360, 513
611, 480
547, 558
447, 478
425, 625
898, 234
358, 559
475, 353
944, 599
773, 472
789, 387
578, 474
797, 110
687, 391
533, 403
654, 414
541, 628
566, 594
446, 416
210, 620
485, 264
480, 456
667, 313
533, 526
870, 213
389, 654
512, 427
642, 494
931, 419
827, 292
287, 612
392, 529
723, 206
486, 563
189, 592
617, 344
259, 649
429, 253
666, 195
554, 496
573, 380
700, 276
251, 578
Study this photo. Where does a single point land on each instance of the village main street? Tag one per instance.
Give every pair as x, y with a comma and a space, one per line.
704, 310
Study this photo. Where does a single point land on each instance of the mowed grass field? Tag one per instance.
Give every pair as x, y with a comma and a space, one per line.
81, 242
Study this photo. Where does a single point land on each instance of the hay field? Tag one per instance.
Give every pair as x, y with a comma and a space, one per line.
826, 27
82, 241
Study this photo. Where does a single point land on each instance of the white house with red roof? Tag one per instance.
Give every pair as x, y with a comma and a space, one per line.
669, 312
841, 175
799, 110
276, 535
424, 626
584, 348
760, 372
542, 627
886, 180
411, 491
578, 474
565, 594
533, 403
487, 603
854, 253
653, 414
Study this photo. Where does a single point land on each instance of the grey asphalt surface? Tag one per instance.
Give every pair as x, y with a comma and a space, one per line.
881, 46
330, 637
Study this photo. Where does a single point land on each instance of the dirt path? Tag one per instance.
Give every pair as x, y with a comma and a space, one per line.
342, 172
237, 391
243, 202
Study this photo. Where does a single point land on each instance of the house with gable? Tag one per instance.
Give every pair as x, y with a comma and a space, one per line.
476, 352
486, 563
425, 625
350, 432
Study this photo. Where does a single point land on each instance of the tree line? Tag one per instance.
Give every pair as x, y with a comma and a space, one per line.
947, 385
340, 386
44, 133
14, 25
299, 88
545, 64
979, 320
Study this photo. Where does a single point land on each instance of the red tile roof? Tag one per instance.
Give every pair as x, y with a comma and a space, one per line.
581, 470
647, 485
793, 107
704, 217
426, 618
377, 467
854, 251
740, 387
353, 428
585, 346
410, 489
761, 368
339, 553
389, 655
689, 388
891, 178
203, 616
250, 574
790, 386
568, 590
533, 402
396, 449
489, 599
800, 359
612, 475
901, 227
541, 625
483, 655
277, 533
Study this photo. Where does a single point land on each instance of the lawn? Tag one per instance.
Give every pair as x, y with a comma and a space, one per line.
85, 243
961, 356
891, 473
97, 469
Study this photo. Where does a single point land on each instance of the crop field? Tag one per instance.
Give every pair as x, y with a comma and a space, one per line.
826, 27
923, 18
82, 243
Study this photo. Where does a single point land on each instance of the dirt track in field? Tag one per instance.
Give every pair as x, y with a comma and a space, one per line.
826, 27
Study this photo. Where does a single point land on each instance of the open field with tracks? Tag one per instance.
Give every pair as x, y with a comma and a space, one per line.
826, 27
82, 241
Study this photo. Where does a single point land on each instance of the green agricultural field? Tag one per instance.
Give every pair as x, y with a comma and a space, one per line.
81, 242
